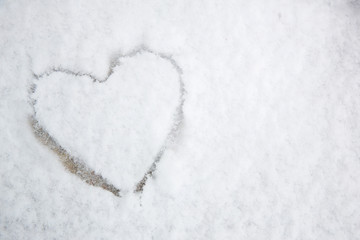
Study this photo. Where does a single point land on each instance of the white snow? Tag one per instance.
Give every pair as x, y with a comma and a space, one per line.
270, 143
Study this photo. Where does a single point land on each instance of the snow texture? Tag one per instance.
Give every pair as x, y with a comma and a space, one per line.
268, 148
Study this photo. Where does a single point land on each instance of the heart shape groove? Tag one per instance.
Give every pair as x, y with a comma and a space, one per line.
113, 132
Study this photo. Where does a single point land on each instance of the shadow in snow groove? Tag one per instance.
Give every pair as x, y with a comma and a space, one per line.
79, 167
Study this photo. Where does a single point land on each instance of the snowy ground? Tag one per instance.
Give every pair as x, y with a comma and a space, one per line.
269, 142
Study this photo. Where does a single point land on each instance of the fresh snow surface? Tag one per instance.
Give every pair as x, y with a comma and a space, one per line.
269, 141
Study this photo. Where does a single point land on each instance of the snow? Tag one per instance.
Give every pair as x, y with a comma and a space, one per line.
268, 148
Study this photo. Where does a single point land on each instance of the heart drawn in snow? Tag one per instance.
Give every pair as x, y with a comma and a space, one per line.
111, 132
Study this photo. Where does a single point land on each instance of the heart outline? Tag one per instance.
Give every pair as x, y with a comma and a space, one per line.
78, 166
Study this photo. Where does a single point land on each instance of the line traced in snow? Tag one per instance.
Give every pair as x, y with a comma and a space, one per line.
78, 166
